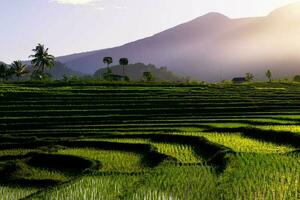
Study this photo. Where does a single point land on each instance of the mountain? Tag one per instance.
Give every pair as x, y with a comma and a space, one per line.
135, 72
214, 47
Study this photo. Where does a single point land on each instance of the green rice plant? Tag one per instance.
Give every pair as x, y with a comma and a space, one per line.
87, 111
93, 187
277, 121
15, 152
183, 153
42, 173
288, 128
238, 143
190, 129
186, 133
110, 160
15, 193
174, 182
261, 176
119, 140
287, 117
227, 125
270, 88
23, 171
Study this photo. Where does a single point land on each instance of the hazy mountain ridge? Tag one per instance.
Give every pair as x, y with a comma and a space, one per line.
213, 47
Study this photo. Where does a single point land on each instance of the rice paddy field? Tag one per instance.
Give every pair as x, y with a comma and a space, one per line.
146, 142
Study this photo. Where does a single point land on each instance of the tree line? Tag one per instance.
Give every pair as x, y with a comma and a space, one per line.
108, 75
250, 77
41, 61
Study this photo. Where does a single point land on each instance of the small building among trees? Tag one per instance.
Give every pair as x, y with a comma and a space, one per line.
239, 80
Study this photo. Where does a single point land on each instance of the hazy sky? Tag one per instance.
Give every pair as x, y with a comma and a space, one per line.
70, 26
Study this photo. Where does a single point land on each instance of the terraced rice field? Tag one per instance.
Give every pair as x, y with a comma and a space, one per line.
89, 141
110, 160
238, 143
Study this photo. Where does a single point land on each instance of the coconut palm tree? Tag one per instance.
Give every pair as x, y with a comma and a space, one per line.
19, 69
41, 59
123, 62
108, 61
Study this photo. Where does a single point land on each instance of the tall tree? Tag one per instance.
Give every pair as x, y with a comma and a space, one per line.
108, 75
269, 75
124, 62
3, 71
107, 61
41, 59
249, 77
19, 69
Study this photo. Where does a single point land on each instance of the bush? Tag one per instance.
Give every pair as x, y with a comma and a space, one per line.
126, 78
297, 78
148, 76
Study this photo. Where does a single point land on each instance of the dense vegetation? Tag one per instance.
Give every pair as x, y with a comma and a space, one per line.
149, 141
135, 72
43, 68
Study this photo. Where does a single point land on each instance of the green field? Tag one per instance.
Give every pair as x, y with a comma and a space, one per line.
122, 141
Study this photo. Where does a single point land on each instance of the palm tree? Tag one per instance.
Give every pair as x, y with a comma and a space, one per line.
269, 75
108, 61
3, 71
19, 69
123, 62
41, 59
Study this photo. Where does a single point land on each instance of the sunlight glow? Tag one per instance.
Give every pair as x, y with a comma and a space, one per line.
76, 2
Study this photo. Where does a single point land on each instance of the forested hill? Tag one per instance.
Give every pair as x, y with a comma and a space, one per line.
59, 70
135, 72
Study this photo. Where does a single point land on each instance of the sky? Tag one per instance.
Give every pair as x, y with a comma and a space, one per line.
73, 26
